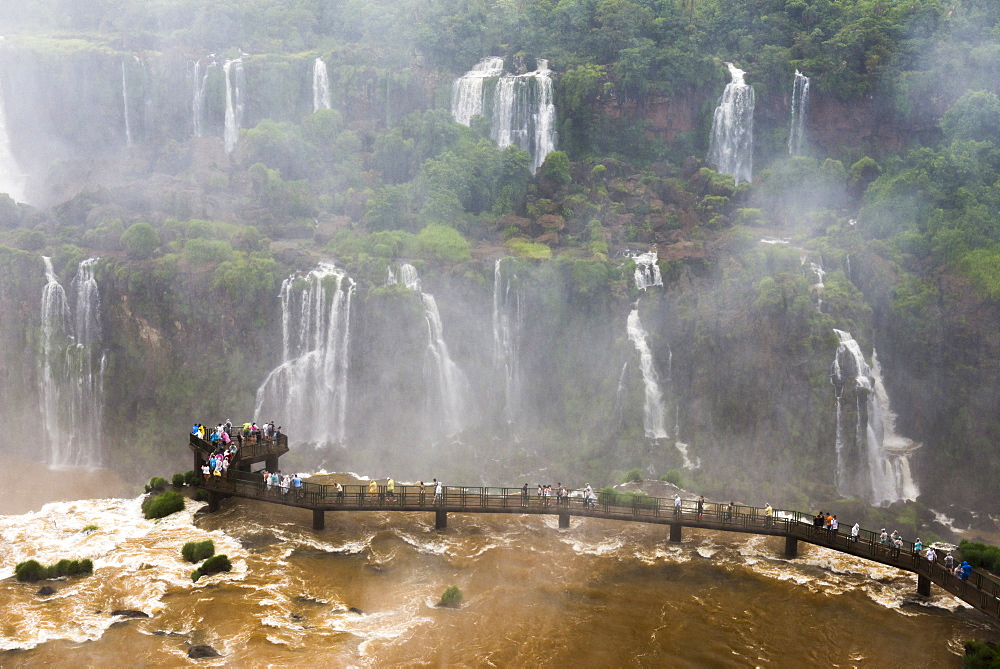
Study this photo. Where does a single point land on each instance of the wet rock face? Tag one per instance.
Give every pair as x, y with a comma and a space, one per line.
196, 652
129, 613
45, 591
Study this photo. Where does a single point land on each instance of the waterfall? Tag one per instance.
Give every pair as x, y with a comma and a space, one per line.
653, 409
11, 178
800, 105
731, 145
321, 86
310, 384
467, 90
647, 270
233, 70
71, 370
128, 124
817, 287
522, 112
199, 79
875, 461
506, 331
441, 370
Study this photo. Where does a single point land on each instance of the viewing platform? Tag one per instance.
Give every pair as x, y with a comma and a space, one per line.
981, 590
266, 450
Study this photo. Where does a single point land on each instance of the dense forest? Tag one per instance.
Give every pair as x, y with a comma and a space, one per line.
896, 195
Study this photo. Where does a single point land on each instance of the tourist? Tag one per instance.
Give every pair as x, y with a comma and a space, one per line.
438, 492
729, 512
524, 494
390, 488
558, 493
372, 489
297, 484
340, 492
701, 506
677, 504
918, 546
883, 538
855, 531
768, 514
931, 556
423, 493
275, 481
591, 498
267, 479
286, 482
966, 570
949, 562
834, 525
206, 471
818, 520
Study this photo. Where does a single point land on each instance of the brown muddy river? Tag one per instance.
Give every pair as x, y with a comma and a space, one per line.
362, 592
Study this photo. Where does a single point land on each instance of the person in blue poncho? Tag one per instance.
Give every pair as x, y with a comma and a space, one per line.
966, 571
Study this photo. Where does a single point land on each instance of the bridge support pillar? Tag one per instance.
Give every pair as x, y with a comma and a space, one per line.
675, 533
923, 585
440, 520
319, 519
791, 547
271, 463
213, 501
563, 521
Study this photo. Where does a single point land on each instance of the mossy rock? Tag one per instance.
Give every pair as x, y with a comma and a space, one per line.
163, 505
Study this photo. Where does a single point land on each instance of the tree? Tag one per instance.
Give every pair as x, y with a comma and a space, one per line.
974, 116
140, 241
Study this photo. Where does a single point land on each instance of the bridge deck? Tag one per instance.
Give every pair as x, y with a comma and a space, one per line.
248, 454
981, 590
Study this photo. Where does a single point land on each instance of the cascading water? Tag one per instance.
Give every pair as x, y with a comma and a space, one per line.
321, 86
506, 333
441, 371
71, 370
653, 408
800, 105
199, 80
816, 287
874, 461
731, 145
467, 91
647, 270
233, 70
522, 112
11, 178
128, 123
310, 385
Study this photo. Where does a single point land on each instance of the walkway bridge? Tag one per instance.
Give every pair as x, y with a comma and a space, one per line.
981, 590
266, 450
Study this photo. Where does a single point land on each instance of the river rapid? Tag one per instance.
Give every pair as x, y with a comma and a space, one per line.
363, 591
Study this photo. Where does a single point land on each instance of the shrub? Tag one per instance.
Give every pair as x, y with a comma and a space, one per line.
91, 528
140, 241
32, 570
980, 555
980, 655
156, 483
632, 475
178, 480
196, 551
612, 497
673, 477
452, 596
212, 565
163, 504
190, 477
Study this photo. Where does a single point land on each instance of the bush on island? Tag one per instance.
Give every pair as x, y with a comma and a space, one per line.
32, 570
178, 480
156, 483
190, 477
163, 504
632, 475
672, 477
212, 565
196, 551
452, 597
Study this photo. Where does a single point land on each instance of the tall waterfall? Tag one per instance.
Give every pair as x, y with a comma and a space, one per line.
440, 370
506, 332
731, 145
647, 270
128, 122
800, 105
653, 408
71, 370
817, 286
11, 178
520, 108
199, 79
873, 461
235, 84
321, 86
310, 385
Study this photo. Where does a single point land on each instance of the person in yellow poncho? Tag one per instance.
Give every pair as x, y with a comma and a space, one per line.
373, 488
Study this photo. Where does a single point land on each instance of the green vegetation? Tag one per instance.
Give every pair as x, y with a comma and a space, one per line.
213, 565
452, 597
196, 551
32, 570
91, 528
673, 477
981, 655
632, 475
163, 504
627, 499
156, 483
177, 480
980, 555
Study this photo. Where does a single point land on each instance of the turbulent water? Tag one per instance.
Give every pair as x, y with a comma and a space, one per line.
362, 592
731, 144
